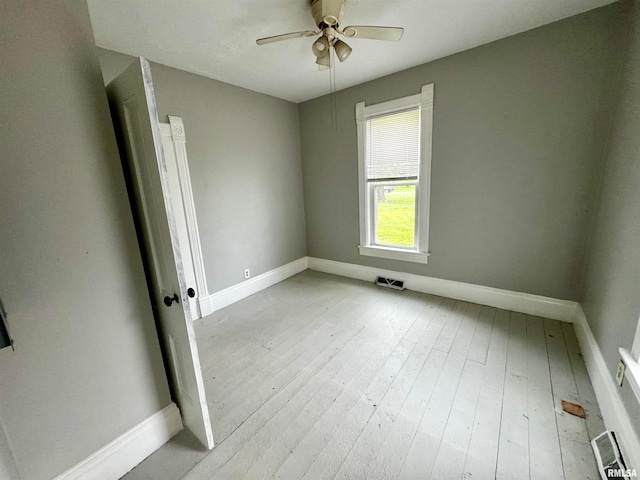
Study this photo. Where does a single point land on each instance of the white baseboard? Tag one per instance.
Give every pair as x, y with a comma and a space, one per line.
230, 295
562, 310
120, 456
613, 411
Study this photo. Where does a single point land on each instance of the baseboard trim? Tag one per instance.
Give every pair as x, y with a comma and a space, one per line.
117, 458
614, 413
562, 310
237, 292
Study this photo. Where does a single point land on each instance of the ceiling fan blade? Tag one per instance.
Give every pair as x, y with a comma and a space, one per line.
392, 34
286, 36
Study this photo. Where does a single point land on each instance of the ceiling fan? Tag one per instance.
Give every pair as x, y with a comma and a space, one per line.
328, 15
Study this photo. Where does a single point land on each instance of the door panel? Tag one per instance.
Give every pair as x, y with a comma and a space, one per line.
133, 101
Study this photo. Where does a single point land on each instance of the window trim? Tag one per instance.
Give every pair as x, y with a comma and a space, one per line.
367, 246
635, 349
631, 359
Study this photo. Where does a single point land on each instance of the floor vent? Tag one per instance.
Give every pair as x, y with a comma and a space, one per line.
610, 462
390, 283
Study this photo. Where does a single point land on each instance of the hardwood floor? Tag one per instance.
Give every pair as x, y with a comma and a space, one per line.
323, 377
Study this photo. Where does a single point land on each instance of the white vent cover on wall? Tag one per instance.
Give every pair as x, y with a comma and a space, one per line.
610, 462
390, 283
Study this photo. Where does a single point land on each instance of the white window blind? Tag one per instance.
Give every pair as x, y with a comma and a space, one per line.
393, 150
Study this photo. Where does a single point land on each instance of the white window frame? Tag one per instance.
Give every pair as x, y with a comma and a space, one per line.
368, 247
635, 349
631, 360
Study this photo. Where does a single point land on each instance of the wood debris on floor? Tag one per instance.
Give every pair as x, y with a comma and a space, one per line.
573, 409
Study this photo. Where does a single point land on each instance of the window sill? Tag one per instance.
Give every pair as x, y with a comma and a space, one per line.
632, 373
394, 254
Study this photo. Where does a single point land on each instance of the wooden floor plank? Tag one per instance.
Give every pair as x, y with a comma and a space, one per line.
424, 447
247, 399
226, 449
341, 442
274, 325
316, 438
286, 439
390, 332
335, 331
513, 449
230, 378
595, 424
577, 456
482, 335
545, 459
452, 451
432, 304
390, 458
482, 454
290, 438
312, 395
365, 450
182, 453
451, 326
434, 323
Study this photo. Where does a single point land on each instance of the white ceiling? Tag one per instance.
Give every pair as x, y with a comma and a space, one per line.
216, 38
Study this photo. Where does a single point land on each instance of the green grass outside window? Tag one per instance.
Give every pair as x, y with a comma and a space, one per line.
397, 216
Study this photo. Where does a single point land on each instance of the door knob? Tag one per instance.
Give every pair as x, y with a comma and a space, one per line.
191, 292
168, 301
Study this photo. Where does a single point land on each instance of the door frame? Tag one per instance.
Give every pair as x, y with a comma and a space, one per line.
175, 131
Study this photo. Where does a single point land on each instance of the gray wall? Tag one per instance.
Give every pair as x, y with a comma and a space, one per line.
87, 365
516, 150
611, 296
244, 158
8, 467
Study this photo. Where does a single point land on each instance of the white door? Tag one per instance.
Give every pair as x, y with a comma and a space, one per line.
133, 103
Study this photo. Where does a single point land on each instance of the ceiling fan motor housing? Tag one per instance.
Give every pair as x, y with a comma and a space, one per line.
327, 13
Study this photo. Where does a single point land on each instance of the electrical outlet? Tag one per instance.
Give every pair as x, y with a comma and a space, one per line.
247, 274
620, 373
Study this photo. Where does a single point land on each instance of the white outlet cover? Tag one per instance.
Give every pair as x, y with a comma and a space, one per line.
620, 373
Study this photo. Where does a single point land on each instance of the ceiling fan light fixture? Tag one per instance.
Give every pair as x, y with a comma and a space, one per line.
324, 62
342, 50
321, 47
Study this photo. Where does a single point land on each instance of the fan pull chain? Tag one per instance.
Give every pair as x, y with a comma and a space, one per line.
332, 87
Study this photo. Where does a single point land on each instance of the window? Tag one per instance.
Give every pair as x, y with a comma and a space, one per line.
394, 157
